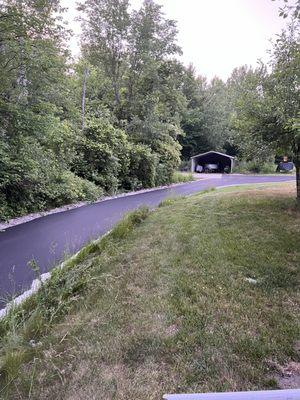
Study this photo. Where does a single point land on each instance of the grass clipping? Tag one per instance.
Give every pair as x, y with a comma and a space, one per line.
200, 295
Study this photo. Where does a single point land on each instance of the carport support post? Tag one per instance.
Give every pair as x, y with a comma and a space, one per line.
193, 165
297, 165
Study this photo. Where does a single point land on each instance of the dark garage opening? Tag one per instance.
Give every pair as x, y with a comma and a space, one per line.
212, 161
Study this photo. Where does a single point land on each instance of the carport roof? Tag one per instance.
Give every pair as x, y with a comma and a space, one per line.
215, 152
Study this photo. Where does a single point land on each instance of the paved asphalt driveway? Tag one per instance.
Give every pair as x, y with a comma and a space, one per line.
49, 238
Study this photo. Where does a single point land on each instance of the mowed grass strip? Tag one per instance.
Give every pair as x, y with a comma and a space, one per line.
202, 295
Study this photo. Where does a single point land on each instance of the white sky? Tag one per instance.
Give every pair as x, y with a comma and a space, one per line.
215, 35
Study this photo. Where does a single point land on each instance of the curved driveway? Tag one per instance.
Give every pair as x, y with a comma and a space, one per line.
49, 238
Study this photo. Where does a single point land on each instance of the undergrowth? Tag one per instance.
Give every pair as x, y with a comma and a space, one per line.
179, 176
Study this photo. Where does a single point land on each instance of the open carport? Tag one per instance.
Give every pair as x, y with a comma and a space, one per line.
223, 162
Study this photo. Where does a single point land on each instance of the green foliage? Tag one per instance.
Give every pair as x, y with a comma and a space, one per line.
145, 83
206, 121
67, 188
37, 133
142, 168
169, 160
35, 177
245, 92
266, 104
121, 116
290, 9
182, 177
125, 90
255, 166
185, 165
111, 161
103, 151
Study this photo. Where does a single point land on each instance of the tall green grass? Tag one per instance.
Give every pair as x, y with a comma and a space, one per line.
24, 325
182, 177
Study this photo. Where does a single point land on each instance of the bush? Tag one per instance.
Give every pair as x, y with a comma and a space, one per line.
142, 168
185, 165
32, 179
61, 166
66, 188
255, 166
103, 155
163, 174
168, 152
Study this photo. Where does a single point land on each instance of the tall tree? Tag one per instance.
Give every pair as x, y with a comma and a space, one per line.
206, 122
284, 95
194, 139
37, 131
135, 50
151, 39
266, 117
250, 113
105, 34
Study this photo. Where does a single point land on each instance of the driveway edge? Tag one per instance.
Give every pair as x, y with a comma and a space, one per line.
30, 217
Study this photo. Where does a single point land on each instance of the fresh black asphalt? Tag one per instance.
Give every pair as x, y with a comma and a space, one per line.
48, 239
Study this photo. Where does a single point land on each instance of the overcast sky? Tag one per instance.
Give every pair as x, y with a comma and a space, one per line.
215, 35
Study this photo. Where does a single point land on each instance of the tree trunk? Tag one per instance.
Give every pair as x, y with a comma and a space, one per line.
83, 97
116, 92
21, 79
298, 182
296, 160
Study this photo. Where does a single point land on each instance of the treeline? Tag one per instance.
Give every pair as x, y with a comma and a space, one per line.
123, 115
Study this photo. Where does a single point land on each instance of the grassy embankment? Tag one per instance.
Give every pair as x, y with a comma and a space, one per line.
200, 295
179, 176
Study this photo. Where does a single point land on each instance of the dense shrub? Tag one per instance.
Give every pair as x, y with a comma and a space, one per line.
53, 170
255, 166
66, 188
142, 168
111, 161
103, 155
33, 179
168, 160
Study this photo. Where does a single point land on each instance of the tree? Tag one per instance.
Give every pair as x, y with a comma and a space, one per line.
37, 116
290, 10
194, 139
133, 51
283, 93
217, 111
250, 113
105, 33
266, 106
151, 39
206, 119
